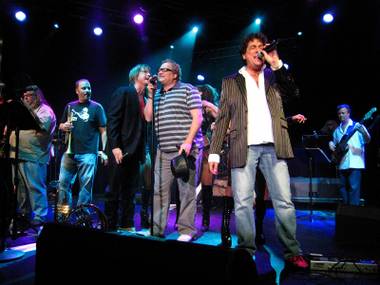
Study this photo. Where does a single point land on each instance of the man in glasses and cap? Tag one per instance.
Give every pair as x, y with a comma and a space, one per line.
34, 155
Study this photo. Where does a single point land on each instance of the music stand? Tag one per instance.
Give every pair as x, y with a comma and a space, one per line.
312, 144
19, 117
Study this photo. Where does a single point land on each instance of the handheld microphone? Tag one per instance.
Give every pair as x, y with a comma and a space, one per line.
272, 46
153, 79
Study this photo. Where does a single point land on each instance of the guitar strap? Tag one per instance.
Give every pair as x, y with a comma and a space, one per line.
350, 129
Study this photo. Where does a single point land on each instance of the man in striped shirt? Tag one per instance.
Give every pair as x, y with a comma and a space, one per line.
178, 118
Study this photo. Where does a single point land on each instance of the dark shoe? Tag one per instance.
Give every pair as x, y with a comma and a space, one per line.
226, 240
144, 219
297, 262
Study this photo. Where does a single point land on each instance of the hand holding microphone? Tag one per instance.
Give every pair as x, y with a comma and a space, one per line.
269, 54
153, 79
152, 85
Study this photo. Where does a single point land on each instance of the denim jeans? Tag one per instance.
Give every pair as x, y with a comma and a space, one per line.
350, 180
31, 194
277, 178
83, 165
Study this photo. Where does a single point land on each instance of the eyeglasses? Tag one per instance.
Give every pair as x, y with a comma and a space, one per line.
163, 69
27, 95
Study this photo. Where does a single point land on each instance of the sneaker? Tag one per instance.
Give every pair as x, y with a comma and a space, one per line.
185, 238
297, 262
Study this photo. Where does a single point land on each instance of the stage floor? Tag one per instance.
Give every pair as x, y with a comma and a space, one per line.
315, 233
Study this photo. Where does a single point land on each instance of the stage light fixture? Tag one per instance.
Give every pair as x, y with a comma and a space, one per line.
200, 77
56, 26
98, 31
258, 21
328, 18
195, 29
138, 18
20, 16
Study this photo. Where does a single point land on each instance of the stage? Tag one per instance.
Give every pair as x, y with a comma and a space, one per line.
315, 232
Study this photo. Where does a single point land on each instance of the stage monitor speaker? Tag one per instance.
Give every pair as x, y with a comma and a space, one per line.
67, 254
357, 225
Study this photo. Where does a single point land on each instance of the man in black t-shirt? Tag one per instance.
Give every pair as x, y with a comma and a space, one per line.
84, 122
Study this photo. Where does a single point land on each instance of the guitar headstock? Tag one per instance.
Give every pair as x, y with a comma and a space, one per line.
369, 114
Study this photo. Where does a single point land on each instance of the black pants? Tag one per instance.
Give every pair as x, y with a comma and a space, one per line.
124, 183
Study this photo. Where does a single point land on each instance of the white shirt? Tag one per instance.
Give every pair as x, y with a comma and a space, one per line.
259, 129
354, 158
259, 120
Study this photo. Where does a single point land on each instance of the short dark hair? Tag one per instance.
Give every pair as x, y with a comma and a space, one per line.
259, 36
344, 106
80, 80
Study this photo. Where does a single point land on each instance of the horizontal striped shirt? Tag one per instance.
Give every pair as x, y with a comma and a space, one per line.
173, 118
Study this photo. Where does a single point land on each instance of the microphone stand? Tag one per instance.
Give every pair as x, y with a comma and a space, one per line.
10, 254
152, 160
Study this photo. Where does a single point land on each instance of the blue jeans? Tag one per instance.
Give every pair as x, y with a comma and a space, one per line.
277, 178
83, 165
350, 180
31, 194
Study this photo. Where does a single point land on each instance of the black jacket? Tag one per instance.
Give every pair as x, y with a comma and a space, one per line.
126, 127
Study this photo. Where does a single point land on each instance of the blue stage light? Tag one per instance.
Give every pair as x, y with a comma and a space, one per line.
195, 29
328, 18
98, 31
20, 16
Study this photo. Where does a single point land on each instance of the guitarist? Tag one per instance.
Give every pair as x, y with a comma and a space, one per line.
352, 150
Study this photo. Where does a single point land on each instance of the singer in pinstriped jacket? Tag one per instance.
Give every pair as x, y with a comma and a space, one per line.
252, 100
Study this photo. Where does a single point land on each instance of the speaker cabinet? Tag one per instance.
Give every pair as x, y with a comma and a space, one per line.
357, 225
69, 254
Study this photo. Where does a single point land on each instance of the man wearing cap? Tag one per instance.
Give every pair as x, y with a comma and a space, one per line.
178, 118
34, 155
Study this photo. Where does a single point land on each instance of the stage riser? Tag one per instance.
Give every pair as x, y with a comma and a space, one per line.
324, 189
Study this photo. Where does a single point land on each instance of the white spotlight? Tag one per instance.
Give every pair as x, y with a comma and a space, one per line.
20, 16
328, 18
195, 29
98, 31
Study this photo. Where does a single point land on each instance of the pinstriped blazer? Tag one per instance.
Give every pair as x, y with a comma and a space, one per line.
279, 87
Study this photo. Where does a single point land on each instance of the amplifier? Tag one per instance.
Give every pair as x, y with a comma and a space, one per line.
332, 264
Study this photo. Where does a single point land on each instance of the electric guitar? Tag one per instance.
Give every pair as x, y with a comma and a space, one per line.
342, 147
